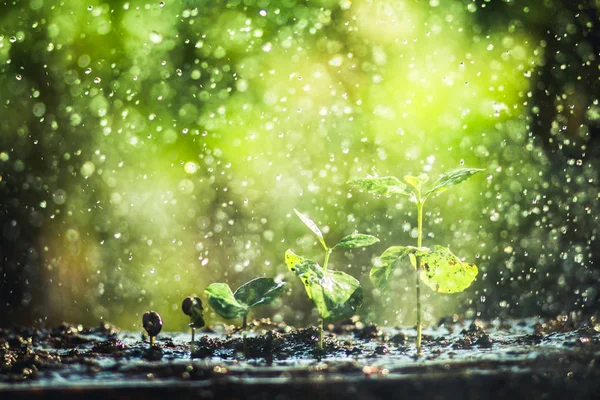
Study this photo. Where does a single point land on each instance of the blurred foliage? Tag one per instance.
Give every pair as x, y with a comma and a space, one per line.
148, 149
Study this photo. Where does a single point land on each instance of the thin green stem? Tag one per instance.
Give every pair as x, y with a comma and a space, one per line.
245, 339
420, 203
321, 334
193, 340
327, 254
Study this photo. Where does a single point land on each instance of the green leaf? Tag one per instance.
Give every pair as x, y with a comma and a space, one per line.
452, 178
307, 270
384, 186
443, 272
356, 240
416, 182
259, 291
336, 294
312, 226
341, 293
221, 299
387, 263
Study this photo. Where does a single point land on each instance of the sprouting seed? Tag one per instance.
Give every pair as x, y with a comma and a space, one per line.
192, 307
152, 324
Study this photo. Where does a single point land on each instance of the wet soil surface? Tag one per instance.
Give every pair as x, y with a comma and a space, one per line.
554, 358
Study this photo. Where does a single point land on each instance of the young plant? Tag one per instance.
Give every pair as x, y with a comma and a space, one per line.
152, 323
336, 294
438, 268
259, 291
192, 307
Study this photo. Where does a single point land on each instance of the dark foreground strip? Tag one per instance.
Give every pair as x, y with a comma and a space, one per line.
585, 384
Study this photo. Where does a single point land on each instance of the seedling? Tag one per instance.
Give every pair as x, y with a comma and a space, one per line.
336, 294
192, 307
152, 324
259, 291
439, 269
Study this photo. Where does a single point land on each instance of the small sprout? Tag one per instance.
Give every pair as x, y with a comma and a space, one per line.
152, 324
336, 294
192, 307
229, 305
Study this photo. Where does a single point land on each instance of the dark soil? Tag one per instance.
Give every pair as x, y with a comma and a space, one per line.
551, 359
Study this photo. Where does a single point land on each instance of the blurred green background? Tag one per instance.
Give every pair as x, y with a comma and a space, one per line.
148, 149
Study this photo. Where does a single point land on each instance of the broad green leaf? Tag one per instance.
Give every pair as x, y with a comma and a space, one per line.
356, 240
387, 263
307, 270
452, 178
341, 293
312, 226
336, 294
443, 272
221, 299
417, 182
384, 186
259, 291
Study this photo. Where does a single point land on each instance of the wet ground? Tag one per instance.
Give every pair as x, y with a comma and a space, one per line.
554, 358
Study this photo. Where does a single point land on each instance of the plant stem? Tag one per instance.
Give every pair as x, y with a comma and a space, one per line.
321, 334
193, 340
151, 340
327, 254
245, 339
420, 203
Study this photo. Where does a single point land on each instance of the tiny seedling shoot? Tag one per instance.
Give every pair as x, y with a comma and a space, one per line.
259, 291
336, 294
152, 324
438, 268
192, 307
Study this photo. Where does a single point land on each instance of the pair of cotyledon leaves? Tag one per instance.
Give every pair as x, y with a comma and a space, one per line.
389, 185
231, 305
441, 270
351, 241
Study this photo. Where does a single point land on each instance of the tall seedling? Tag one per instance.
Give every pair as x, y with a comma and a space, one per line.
438, 268
336, 294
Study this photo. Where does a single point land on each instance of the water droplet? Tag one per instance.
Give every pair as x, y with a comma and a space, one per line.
156, 37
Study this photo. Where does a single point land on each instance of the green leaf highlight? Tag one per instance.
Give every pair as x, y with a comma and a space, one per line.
452, 178
417, 182
336, 294
259, 291
443, 272
387, 263
312, 226
384, 186
356, 240
222, 300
